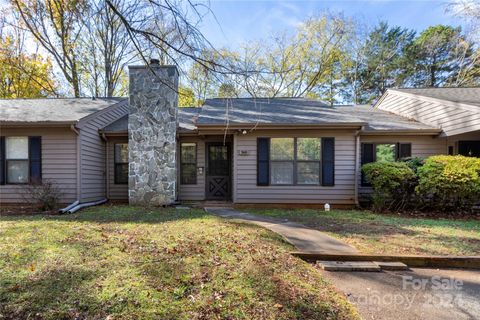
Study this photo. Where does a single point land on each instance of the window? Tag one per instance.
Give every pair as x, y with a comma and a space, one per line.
308, 160
188, 163
385, 152
17, 162
121, 163
389, 152
294, 161
281, 160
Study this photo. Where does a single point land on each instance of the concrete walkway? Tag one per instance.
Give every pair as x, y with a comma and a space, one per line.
428, 294
303, 238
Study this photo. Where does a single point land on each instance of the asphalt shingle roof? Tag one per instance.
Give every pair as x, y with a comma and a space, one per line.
186, 121
460, 95
52, 110
300, 111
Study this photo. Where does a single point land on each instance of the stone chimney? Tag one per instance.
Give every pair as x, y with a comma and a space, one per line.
152, 126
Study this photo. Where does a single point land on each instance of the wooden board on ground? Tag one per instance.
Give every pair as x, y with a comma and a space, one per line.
349, 266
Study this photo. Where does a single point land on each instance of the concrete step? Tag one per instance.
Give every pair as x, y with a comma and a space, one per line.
367, 266
391, 265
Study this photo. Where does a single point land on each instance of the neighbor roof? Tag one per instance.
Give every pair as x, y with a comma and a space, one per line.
52, 110
460, 95
299, 111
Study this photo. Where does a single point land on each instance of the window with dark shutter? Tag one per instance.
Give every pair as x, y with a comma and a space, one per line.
368, 155
263, 161
120, 163
404, 150
35, 155
328, 161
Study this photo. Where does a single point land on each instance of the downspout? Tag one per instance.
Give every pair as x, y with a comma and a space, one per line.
107, 173
357, 163
74, 128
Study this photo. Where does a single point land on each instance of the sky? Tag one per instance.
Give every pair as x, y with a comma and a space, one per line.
237, 22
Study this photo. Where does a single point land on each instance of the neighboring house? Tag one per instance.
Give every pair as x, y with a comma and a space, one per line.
249, 151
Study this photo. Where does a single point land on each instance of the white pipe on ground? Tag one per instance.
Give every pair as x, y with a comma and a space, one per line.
70, 206
86, 204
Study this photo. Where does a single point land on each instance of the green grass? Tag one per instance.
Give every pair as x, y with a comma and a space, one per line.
124, 262
389, 234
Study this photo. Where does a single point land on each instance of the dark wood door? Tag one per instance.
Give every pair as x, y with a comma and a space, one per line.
218, 182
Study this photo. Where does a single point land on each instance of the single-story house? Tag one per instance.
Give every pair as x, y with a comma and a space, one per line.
248, 151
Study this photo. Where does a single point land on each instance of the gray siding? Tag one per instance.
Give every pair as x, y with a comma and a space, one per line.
245, 172
92, 152
115, 191
452, 118
453, 140
59, 162
193, 191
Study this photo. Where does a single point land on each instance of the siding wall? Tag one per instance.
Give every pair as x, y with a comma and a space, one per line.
453, 140
115, 191
245, 172
59, 162
92, 153
193, 191
422, 146
453, 119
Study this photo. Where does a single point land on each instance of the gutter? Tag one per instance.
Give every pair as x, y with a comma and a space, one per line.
357, 164
74, 128
37, 123
415, 132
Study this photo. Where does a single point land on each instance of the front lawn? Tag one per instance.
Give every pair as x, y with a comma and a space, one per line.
131, 263
389, 234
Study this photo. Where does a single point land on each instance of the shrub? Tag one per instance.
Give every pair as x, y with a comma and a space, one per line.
393, 184
414, 163
449, 182
45, 195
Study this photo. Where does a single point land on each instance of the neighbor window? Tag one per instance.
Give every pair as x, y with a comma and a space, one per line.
188, 163
121, 163
17, 162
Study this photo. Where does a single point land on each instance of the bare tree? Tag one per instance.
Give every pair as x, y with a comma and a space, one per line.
57, 26
185, 45
108, 48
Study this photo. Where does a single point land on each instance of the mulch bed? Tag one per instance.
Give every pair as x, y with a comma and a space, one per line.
465, 215
22, 210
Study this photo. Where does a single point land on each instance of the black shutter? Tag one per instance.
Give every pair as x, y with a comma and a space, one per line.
328, 161
263, 164
2, 160
404, 150
368, 155
35, 157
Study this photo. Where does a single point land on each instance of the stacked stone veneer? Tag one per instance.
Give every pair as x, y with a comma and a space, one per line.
152, 126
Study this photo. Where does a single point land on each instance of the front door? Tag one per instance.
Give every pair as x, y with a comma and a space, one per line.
218, 184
